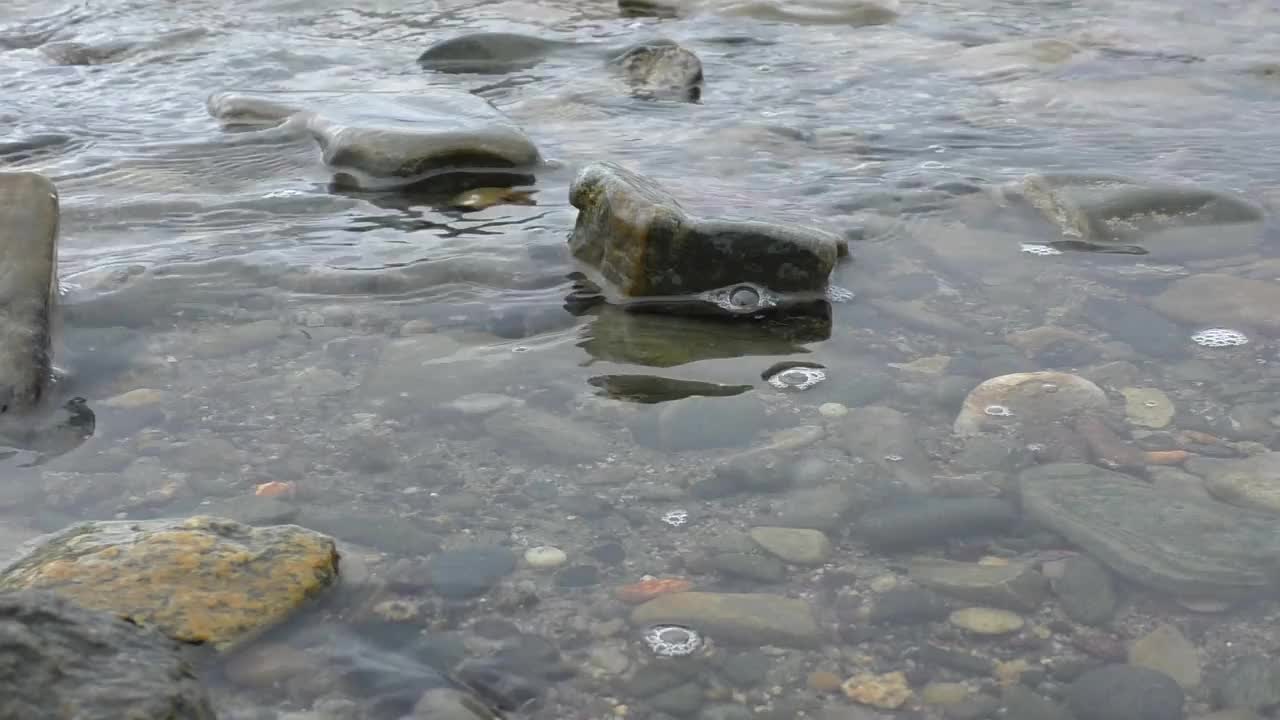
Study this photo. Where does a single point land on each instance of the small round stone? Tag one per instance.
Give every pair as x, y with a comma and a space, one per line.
987, 621
832, 410
545, 556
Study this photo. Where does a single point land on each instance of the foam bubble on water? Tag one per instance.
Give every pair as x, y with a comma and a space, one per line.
1220, 338
797, 378
743, 298
1041, 250
998, 411
839, 294
672, 640
675, 518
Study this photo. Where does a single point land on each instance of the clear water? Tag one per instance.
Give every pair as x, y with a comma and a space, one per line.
324, 339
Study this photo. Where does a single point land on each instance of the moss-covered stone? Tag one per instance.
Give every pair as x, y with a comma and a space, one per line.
201, 579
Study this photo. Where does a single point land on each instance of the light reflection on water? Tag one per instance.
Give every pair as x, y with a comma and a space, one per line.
329, 339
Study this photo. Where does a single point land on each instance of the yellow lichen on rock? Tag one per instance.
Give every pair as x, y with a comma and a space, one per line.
202, 579
889, 691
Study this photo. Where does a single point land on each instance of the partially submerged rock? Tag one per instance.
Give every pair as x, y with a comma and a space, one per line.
442, 140
1027, 397
200, 580
90, 665
1222, 300
661, 69
642, 243
752, 618
1180, 544
488, 53
28, 287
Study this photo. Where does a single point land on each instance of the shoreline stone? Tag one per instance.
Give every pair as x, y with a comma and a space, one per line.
1180, 544
90, 665
29, 218
200, 580
745, 618
442, 139
643, 243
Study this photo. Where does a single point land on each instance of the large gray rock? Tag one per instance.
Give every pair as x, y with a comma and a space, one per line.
488, 53
642, 243
1185, 545
90, 665
1222, 300
439, 139
28, 286
1125, 692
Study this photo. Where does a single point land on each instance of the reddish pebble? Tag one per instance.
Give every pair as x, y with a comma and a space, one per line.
274, 489
646, 590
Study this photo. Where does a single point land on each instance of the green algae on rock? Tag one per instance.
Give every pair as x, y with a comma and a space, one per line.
644, 244
201, 579
1189, 546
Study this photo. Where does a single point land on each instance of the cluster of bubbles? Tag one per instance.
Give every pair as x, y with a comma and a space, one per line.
675, 518
672, 640
1042, 250
839, 294
797, 378
1219, 338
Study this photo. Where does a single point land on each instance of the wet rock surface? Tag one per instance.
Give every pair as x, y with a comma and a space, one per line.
488, 53
1178, 544
661, 70
90, 664
735, 617
1125, 692
643, 242
1016, 586
916, 522
444, 140
199, 580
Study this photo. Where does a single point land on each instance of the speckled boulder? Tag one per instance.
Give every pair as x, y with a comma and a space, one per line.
644, 244
201, 579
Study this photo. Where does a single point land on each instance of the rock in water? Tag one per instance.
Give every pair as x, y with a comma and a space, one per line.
1186, 545
746, 618
1125, 692
28, 286
89, 665
1253, 482
441, 140
199, 580
1044, 396
643, 243
661, 70
488, 53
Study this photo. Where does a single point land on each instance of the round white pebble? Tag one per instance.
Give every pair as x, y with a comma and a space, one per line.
832, 410
545, 556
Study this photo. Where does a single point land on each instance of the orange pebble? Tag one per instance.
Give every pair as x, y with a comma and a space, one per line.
646, 590
1167, 457
274, 489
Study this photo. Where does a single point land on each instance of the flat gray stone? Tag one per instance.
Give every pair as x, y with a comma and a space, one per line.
1016, 586
744, 618
58, 659
28, 286
1188, 546
380, 142
641, 242
1085, 591
798, 546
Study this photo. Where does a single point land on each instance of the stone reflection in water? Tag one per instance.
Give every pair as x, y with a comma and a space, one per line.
656, 389
616, 335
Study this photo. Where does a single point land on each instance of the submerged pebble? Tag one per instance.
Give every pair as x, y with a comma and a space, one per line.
545, 556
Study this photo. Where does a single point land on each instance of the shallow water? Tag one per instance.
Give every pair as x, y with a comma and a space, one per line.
299, 334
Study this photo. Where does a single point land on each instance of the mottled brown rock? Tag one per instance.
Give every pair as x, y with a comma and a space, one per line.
643, 243
201, 579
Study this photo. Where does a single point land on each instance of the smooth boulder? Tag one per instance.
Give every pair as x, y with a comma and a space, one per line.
661, 69
642, 243
58, 659
442, 140
201, 579
488, 53
1186, 545
28, 287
